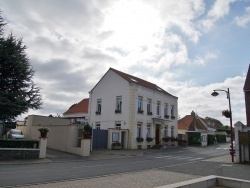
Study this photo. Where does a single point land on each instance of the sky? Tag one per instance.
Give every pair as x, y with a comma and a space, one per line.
187, 47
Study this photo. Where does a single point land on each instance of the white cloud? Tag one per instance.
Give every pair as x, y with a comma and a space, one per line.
219, 9
199, 99
203, 60
242, 21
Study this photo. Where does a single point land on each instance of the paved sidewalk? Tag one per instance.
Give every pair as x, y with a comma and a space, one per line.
59, 156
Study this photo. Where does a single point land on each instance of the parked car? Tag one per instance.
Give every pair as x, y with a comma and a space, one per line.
232, 152
15, 134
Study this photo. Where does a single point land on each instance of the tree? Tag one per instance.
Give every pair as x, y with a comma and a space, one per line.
216, 123
18, 92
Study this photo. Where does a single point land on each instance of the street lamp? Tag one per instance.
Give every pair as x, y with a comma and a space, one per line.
214, 94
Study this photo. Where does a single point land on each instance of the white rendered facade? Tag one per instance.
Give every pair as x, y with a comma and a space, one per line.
114, 104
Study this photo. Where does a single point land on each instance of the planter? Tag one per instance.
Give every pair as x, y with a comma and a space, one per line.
43, 134
226, 113
116, 147
87, 136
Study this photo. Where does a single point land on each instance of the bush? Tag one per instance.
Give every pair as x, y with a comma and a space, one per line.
18, 143
221, 138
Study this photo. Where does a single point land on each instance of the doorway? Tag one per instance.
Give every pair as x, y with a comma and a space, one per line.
157, 134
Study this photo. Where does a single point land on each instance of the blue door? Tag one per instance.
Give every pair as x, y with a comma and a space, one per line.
99, 139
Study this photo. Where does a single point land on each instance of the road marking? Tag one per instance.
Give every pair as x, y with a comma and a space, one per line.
195, 159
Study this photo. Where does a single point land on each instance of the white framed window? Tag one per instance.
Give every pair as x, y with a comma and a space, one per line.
172, 131
149, 106
97, 125
166, 109
118, 125
139, 130
148, 130
158, 108
119, 103
166, 131
99, 106
140, 103
172, 111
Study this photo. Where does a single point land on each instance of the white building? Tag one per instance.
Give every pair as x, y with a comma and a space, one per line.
130, 107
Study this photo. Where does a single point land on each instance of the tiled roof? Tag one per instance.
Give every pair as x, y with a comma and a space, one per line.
184, 122
136, 80
199, 125
189, 121
247, 82
81, 107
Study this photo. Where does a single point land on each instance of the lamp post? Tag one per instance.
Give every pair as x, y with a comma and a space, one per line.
214, 94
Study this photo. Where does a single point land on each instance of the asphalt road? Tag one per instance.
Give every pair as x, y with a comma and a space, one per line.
11, 175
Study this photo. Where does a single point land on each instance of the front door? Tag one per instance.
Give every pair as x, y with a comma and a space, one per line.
157, 134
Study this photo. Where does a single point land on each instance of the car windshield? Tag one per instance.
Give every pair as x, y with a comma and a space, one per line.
16, 132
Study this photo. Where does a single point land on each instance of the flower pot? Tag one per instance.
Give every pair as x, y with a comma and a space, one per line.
116, 147
86, 135
43, 134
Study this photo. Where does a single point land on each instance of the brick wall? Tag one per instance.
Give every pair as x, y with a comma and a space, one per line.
18, 153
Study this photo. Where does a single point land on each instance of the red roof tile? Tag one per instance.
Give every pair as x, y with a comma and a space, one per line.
189, 121
81, 107
136, 80
247, 82
185, 122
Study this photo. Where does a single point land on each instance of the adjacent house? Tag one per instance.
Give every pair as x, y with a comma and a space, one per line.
194, 129
78, 113
132, 110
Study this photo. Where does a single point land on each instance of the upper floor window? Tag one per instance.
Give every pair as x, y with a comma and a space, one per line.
149, 107
172, 112
99, 106
158, 108
118, 104
97, 125
118, 125
166, 111
140, 107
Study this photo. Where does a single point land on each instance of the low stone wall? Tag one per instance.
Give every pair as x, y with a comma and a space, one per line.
18, 153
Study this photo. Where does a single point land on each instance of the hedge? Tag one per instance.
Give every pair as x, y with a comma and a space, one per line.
221, 138
19, 143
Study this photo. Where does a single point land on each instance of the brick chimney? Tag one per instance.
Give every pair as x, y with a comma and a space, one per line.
246, 89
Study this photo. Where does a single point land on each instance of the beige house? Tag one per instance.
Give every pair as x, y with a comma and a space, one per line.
131, 108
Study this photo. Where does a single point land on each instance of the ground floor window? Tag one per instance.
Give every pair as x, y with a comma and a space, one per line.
148, 130
166, 131
118, 125
139, 130
97, 125
172, 131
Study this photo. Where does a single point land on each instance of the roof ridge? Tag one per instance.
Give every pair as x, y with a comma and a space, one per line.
133, 79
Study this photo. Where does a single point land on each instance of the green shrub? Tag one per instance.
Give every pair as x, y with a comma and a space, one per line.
221, 138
